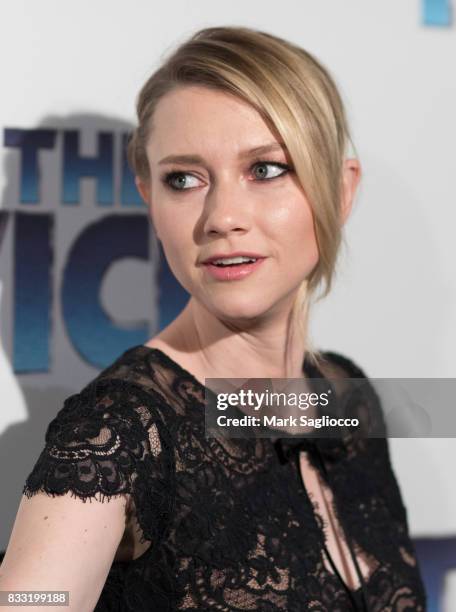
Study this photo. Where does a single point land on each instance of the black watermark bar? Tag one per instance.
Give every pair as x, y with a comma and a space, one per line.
326, 407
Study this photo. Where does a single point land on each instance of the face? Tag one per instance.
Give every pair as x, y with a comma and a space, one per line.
227, 200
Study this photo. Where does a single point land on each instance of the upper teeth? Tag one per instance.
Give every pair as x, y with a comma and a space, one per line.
230, 260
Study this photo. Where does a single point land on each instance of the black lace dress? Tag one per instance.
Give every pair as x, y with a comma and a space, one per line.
230, 523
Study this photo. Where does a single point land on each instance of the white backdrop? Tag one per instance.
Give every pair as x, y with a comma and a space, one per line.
393, 309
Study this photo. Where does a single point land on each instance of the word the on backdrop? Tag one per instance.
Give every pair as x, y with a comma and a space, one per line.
64, 240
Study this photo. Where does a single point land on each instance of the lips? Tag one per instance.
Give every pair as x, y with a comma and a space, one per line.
235, 254
232, 273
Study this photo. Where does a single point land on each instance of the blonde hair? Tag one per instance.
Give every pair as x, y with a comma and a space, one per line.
297, 98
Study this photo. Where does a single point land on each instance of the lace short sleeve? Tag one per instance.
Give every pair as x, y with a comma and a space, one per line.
109, 440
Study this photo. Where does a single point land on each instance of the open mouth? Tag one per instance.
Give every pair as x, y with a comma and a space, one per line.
231, 262
233, 270
232, 265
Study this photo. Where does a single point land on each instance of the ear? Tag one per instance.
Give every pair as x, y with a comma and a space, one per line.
351, 178
144, 191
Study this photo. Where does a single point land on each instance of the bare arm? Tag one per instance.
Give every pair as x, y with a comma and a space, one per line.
63, 543
80, 498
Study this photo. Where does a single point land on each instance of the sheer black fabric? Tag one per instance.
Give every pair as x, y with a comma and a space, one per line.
228, 523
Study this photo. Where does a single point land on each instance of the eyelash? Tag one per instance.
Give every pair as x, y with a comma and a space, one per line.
169, 176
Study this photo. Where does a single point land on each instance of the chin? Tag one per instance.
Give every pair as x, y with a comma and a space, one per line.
238, 308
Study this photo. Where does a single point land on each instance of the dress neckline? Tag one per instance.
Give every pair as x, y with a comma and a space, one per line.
308, 368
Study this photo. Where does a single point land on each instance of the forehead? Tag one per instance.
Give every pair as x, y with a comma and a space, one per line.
196, 119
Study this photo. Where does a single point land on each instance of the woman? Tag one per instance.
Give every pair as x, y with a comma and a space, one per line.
240, 150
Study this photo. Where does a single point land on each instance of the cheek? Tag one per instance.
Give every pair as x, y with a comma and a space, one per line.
174, 240
309, 236
164, 216
175, 232
294, 225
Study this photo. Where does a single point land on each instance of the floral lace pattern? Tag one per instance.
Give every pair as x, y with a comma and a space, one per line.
230, 525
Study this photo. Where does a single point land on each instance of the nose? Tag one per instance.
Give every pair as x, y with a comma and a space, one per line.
227, 208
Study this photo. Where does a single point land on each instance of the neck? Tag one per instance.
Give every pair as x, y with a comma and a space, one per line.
216, 348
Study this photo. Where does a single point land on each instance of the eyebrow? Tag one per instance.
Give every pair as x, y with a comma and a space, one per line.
197, 159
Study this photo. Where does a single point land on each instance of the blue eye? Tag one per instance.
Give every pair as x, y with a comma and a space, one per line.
181, 181
179, 178
263, 164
